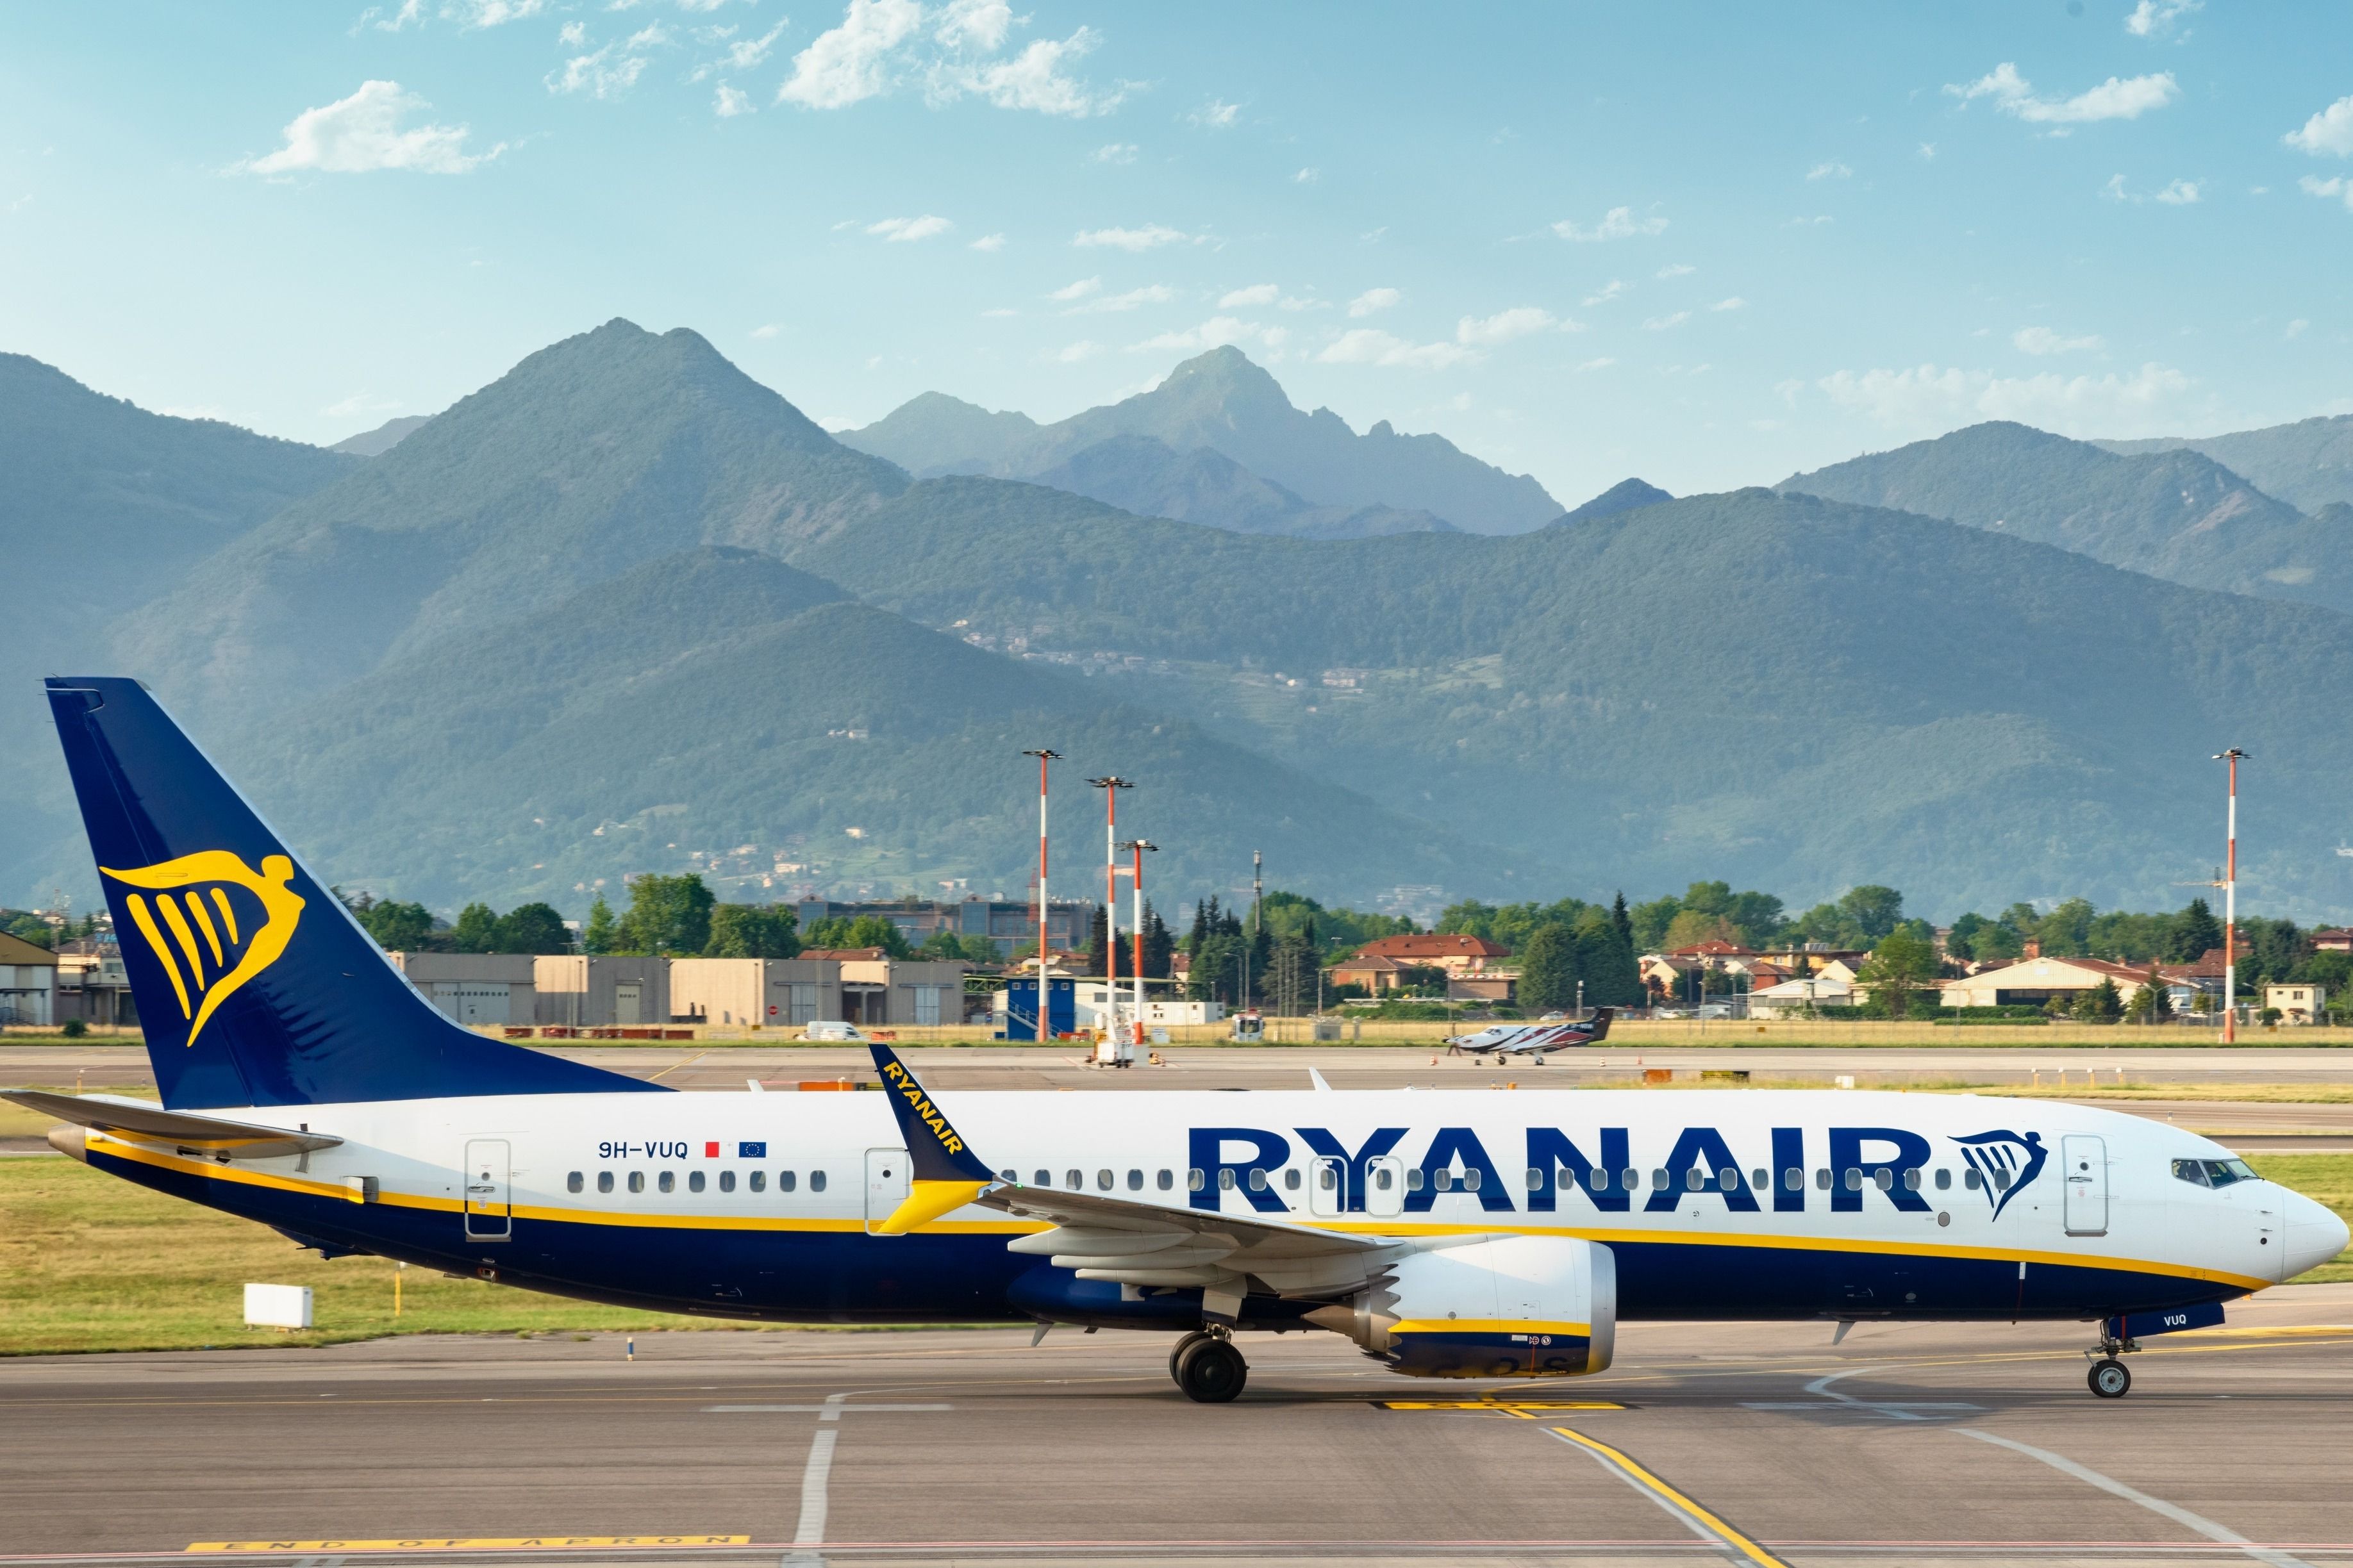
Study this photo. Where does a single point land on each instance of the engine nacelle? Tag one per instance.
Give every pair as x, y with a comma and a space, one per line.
1522, 1306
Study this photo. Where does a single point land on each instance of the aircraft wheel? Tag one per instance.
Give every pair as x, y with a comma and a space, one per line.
2109, 1378
1211, 1372
1177, 1353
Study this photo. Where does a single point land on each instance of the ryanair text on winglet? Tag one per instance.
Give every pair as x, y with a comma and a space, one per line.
904, 1083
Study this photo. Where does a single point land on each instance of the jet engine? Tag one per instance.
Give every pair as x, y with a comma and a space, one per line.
1521, 1306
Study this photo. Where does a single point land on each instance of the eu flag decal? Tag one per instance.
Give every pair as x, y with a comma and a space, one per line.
752, 1151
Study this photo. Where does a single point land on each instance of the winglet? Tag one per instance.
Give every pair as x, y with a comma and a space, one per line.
947, 1174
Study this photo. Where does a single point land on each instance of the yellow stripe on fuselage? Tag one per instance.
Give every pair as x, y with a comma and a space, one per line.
1489, 1326
100, 1144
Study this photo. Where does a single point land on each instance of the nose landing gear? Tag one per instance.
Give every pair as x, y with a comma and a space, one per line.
1206, 1367
2109, 1378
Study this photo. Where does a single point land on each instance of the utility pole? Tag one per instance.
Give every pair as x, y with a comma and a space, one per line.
1043, 757
1111, 785
2230, 905
1136, 847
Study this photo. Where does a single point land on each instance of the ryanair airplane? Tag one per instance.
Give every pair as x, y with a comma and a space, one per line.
307, 1086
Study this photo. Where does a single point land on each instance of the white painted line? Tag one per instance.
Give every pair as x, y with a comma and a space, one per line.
828, 1412
810, 1531
2174, 1512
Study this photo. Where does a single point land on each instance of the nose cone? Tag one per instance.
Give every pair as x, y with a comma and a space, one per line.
2315, 1235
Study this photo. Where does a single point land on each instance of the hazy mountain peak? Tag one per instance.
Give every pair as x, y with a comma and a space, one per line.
932, 433
1626, 495
376, 443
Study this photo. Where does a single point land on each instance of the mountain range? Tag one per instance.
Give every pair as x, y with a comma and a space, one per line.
1218, 403
625, 609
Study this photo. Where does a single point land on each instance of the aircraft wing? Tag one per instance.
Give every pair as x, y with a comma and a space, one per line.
1132, 1243
142, 1123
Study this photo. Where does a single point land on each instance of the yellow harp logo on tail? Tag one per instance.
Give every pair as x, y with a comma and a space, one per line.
207, 944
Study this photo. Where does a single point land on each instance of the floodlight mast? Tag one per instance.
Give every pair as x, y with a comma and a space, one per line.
1137, 846
1111, 785
1044, 757
2230, 904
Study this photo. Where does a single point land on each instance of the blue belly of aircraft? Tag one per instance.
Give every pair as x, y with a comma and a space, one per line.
806, 1276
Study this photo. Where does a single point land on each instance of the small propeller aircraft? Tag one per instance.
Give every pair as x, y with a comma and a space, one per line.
1532, 1040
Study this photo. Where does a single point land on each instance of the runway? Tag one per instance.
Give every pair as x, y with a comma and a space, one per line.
1917, 1446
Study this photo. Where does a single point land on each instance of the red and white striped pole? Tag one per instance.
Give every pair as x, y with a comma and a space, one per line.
1043, 757
1138, 845
2230, 906
1111, 785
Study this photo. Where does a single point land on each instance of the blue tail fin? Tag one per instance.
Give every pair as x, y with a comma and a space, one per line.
256, 987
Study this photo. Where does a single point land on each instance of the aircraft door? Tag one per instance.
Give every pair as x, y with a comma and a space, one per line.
1327, 1187
488, 1210
2086, 1162
1384, 1186
886, 1184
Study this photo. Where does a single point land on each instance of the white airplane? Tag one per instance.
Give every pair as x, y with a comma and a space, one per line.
1533, 1040
307, 1086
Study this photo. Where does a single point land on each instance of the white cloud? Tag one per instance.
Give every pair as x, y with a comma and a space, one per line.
745, 53
762, 333
1607, 292
1928, 151
987, 242
1604, 362
2118, 98
2296, 328
1256, 294
612, 70
1374, 300
1617, 223
470, 15
411, 14
1032, 79
1735, 303
979, 25
572, 35
1294, 302
898, 230
1661, 323
361, 403
1078, 290
1000, 312
1679, 269
1072, 353
1367, 346
2330, 131
848, 63
1116, 152
2154, 18
1213, 334
2339, 186
1150, 294
2179, 194
2043, 341
1519, 321
1217, 115
730, 102
362, 133
1927, 398
1306, 176
1829, 172
1151, 237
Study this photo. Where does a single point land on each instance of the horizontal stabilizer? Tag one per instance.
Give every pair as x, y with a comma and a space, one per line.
140, 1122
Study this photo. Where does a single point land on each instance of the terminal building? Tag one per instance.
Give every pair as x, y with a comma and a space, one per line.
1006, 923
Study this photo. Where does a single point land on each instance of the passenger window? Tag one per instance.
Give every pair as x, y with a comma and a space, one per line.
1854, 1178
1194, 1180
1794, 1179
1761, 1178
1226, 1179
1535, 1179
1045, 1179
1413, 1180
1944, 1179
637, 1181
2002, 1179
1470, 1180
1012, 1176
1822, 1179
575, 1182
1135, 1181
1103, 1181
666, 1181
1290, 1179
1074, 1179
816, 1181
1659, 1178
1444, 1180
1257, 1180
1971, 1180
1693, 1179
1729, 1179
1630, 1178
759, 1181
694, 1181
1382, 1178
726, 1180
786, 1180
1166, 1179
604, 1181
1884, 1178
1912, 1180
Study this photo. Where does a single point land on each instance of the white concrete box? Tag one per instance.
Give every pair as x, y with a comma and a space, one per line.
277, 1305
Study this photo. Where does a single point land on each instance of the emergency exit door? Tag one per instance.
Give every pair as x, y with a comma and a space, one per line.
1327, 1187
886, 1184
1384, 1186
2086, 1161
489, 1214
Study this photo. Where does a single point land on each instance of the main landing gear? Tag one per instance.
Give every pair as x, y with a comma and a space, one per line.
2109, 1378
1208, 1367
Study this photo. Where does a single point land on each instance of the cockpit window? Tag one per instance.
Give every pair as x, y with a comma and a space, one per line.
2213, 1172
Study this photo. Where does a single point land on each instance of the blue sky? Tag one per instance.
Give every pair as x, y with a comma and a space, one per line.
1706, 245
